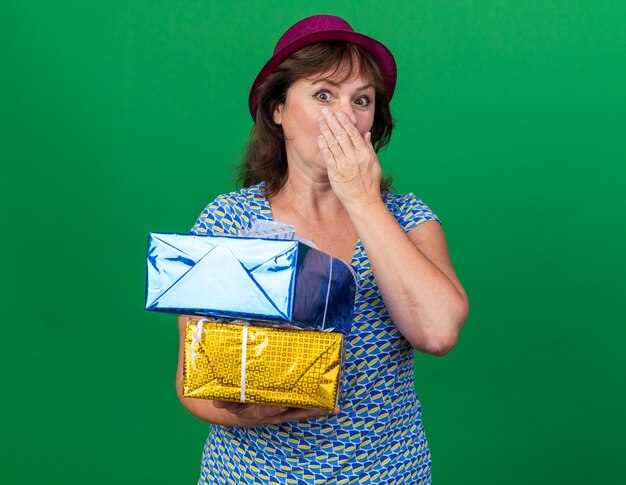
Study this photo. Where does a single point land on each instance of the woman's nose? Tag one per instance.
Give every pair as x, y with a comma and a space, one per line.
346, 107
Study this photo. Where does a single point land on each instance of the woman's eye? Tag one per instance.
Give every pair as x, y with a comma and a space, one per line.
322, 95
362, 101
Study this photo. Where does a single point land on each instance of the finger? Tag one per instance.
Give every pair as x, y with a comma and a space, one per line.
340, 134
353, 133
258, 411
331, 141
327, 155
368, 139
231, 407
238, 408
249, 411
296, 414
265, 411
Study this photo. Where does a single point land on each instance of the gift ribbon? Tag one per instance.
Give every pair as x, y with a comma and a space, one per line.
244, 350
330, 279
195, 340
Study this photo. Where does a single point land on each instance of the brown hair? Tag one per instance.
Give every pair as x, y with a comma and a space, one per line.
265, 158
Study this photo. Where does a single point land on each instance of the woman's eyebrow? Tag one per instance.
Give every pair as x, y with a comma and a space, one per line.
337, 84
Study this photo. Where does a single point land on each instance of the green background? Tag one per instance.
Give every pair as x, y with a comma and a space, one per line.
122, 117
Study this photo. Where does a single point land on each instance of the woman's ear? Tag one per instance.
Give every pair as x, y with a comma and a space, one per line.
278, 114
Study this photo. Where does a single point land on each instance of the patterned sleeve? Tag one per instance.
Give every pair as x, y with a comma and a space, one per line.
220, 217
410, 211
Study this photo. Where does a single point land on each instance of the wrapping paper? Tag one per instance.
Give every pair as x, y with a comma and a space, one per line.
277, 365
249, 278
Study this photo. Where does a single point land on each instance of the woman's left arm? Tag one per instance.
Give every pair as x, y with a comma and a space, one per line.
414, 274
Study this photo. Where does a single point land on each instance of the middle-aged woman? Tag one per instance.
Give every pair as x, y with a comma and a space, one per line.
321, 112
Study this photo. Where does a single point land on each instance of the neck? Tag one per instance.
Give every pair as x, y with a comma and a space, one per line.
308, 196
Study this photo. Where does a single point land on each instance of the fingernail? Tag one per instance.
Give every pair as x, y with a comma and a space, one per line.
340, 114
326, 111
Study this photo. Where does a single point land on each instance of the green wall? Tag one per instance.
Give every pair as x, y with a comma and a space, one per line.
122, 117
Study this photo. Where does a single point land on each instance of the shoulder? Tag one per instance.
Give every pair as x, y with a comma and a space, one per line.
233, 211
409, 210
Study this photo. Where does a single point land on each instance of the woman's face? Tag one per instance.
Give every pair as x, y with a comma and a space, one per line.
303, 106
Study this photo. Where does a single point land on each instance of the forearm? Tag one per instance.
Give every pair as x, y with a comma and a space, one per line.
427, 305
418, 284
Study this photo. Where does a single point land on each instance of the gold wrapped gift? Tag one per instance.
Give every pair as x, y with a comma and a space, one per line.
283, 366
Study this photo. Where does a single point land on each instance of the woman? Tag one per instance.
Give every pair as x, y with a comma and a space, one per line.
321, 112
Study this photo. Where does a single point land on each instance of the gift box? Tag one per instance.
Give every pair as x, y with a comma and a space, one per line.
249, 278
239, 362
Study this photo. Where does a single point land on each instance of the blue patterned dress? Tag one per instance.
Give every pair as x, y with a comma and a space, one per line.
378, 437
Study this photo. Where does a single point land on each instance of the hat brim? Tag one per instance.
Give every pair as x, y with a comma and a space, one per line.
383, 57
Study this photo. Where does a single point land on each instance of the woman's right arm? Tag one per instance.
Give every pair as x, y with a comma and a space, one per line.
229, 413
